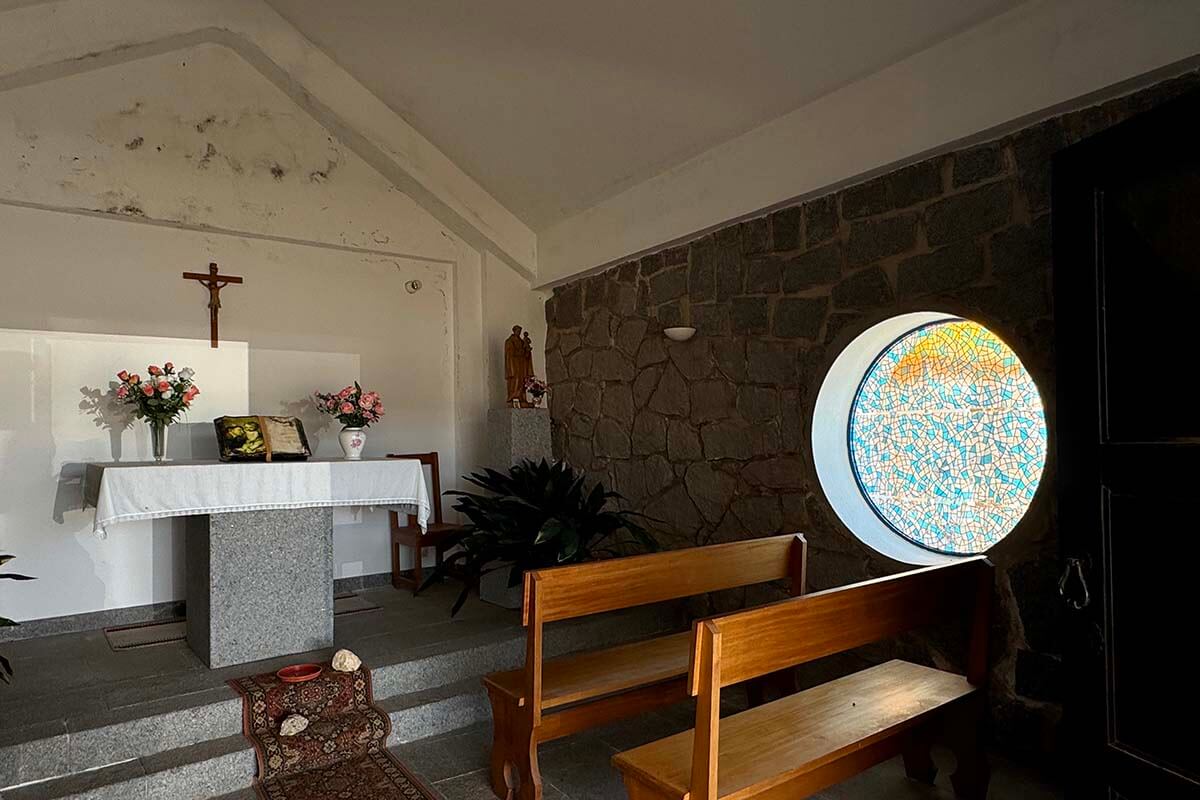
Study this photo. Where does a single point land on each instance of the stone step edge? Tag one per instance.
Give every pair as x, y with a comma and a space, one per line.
228, 765
197, 771
436, 711
216, 711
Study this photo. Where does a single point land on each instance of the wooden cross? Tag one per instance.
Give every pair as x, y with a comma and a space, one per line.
214, 283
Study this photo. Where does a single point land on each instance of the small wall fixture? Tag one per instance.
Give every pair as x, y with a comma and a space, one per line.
679, 334
413, 286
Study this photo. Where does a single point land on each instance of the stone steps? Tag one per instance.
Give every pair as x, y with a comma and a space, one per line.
195, 772
195, 738
93, 741
226, 766
436, 711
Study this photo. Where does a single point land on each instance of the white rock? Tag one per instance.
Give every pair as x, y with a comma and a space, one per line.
292, 725
345, 661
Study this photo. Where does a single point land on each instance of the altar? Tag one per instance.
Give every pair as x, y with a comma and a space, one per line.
259, 540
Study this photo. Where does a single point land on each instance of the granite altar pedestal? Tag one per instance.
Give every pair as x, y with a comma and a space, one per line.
258, 540
516, 434
259, 583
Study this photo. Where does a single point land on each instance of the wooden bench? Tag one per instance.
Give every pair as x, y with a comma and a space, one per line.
546, 700
796, 746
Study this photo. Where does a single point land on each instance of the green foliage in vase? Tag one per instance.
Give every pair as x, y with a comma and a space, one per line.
538, 515
5, 667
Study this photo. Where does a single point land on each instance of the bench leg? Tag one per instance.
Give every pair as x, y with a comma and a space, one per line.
972, 771
918, 759
513, 768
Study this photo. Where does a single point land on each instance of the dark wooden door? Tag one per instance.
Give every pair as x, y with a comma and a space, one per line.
1126, 221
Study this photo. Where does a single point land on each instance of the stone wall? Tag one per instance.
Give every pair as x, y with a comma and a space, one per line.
712, 436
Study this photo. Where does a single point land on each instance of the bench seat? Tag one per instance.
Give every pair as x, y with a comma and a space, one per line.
596, 673
775, 743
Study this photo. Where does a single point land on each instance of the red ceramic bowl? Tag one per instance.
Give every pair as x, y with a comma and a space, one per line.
299, 673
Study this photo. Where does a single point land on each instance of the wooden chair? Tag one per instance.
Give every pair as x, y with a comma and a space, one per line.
546, 700
796, 746
439, 535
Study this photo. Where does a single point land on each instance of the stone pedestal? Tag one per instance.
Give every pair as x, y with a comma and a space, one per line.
516, 434
259, 584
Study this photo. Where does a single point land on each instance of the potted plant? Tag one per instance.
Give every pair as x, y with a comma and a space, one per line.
6, 668
356, 410
159, 399
535, 515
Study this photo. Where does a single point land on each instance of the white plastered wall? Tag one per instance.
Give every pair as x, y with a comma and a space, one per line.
117, 174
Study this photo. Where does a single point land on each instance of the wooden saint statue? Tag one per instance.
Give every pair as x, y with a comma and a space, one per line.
518, 367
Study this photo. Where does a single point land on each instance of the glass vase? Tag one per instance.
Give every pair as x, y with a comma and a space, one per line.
158, 439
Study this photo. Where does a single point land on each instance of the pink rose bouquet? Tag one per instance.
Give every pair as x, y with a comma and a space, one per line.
160, 398
353, 407
536, 388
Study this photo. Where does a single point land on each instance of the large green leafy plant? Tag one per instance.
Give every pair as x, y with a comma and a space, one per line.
6, 668
538, 515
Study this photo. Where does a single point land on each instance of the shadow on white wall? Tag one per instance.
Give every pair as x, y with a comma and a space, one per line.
55, 416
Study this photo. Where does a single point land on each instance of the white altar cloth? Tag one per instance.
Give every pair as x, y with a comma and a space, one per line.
125, 492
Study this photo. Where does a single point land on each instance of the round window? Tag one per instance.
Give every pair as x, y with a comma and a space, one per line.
943, 437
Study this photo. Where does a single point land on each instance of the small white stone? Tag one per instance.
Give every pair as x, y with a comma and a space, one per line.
292, 725
345, 661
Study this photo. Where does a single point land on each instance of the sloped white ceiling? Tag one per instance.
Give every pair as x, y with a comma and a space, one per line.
198, 137
555, 105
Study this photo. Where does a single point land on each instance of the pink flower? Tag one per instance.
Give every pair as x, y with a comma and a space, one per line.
123, 375
147, 390
344, 393
153, 370
122, 391
365, 402
191, 392
163, 386
135, 378
347, 408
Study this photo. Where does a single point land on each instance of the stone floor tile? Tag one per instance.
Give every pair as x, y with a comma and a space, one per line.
583, 769
474, 786
450, 755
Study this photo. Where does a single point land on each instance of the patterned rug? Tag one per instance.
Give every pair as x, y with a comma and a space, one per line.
340, 756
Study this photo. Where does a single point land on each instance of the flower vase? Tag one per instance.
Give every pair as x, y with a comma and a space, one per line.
352, 440
158, 439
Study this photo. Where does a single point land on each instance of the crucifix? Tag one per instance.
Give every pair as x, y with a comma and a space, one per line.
214, 283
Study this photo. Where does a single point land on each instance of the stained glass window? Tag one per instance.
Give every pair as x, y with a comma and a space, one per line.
948, 437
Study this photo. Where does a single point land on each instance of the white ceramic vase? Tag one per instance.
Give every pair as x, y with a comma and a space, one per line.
353, 440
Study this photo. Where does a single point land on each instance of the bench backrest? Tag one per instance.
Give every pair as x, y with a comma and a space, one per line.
578, 590
737, 647
582, 589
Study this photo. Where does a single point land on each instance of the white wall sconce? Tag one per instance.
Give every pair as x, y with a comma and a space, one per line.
683, 331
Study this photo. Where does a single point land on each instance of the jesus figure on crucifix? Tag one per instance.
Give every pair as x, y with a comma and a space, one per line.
214, 282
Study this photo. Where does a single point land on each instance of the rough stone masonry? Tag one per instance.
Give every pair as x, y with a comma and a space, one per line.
712, 437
